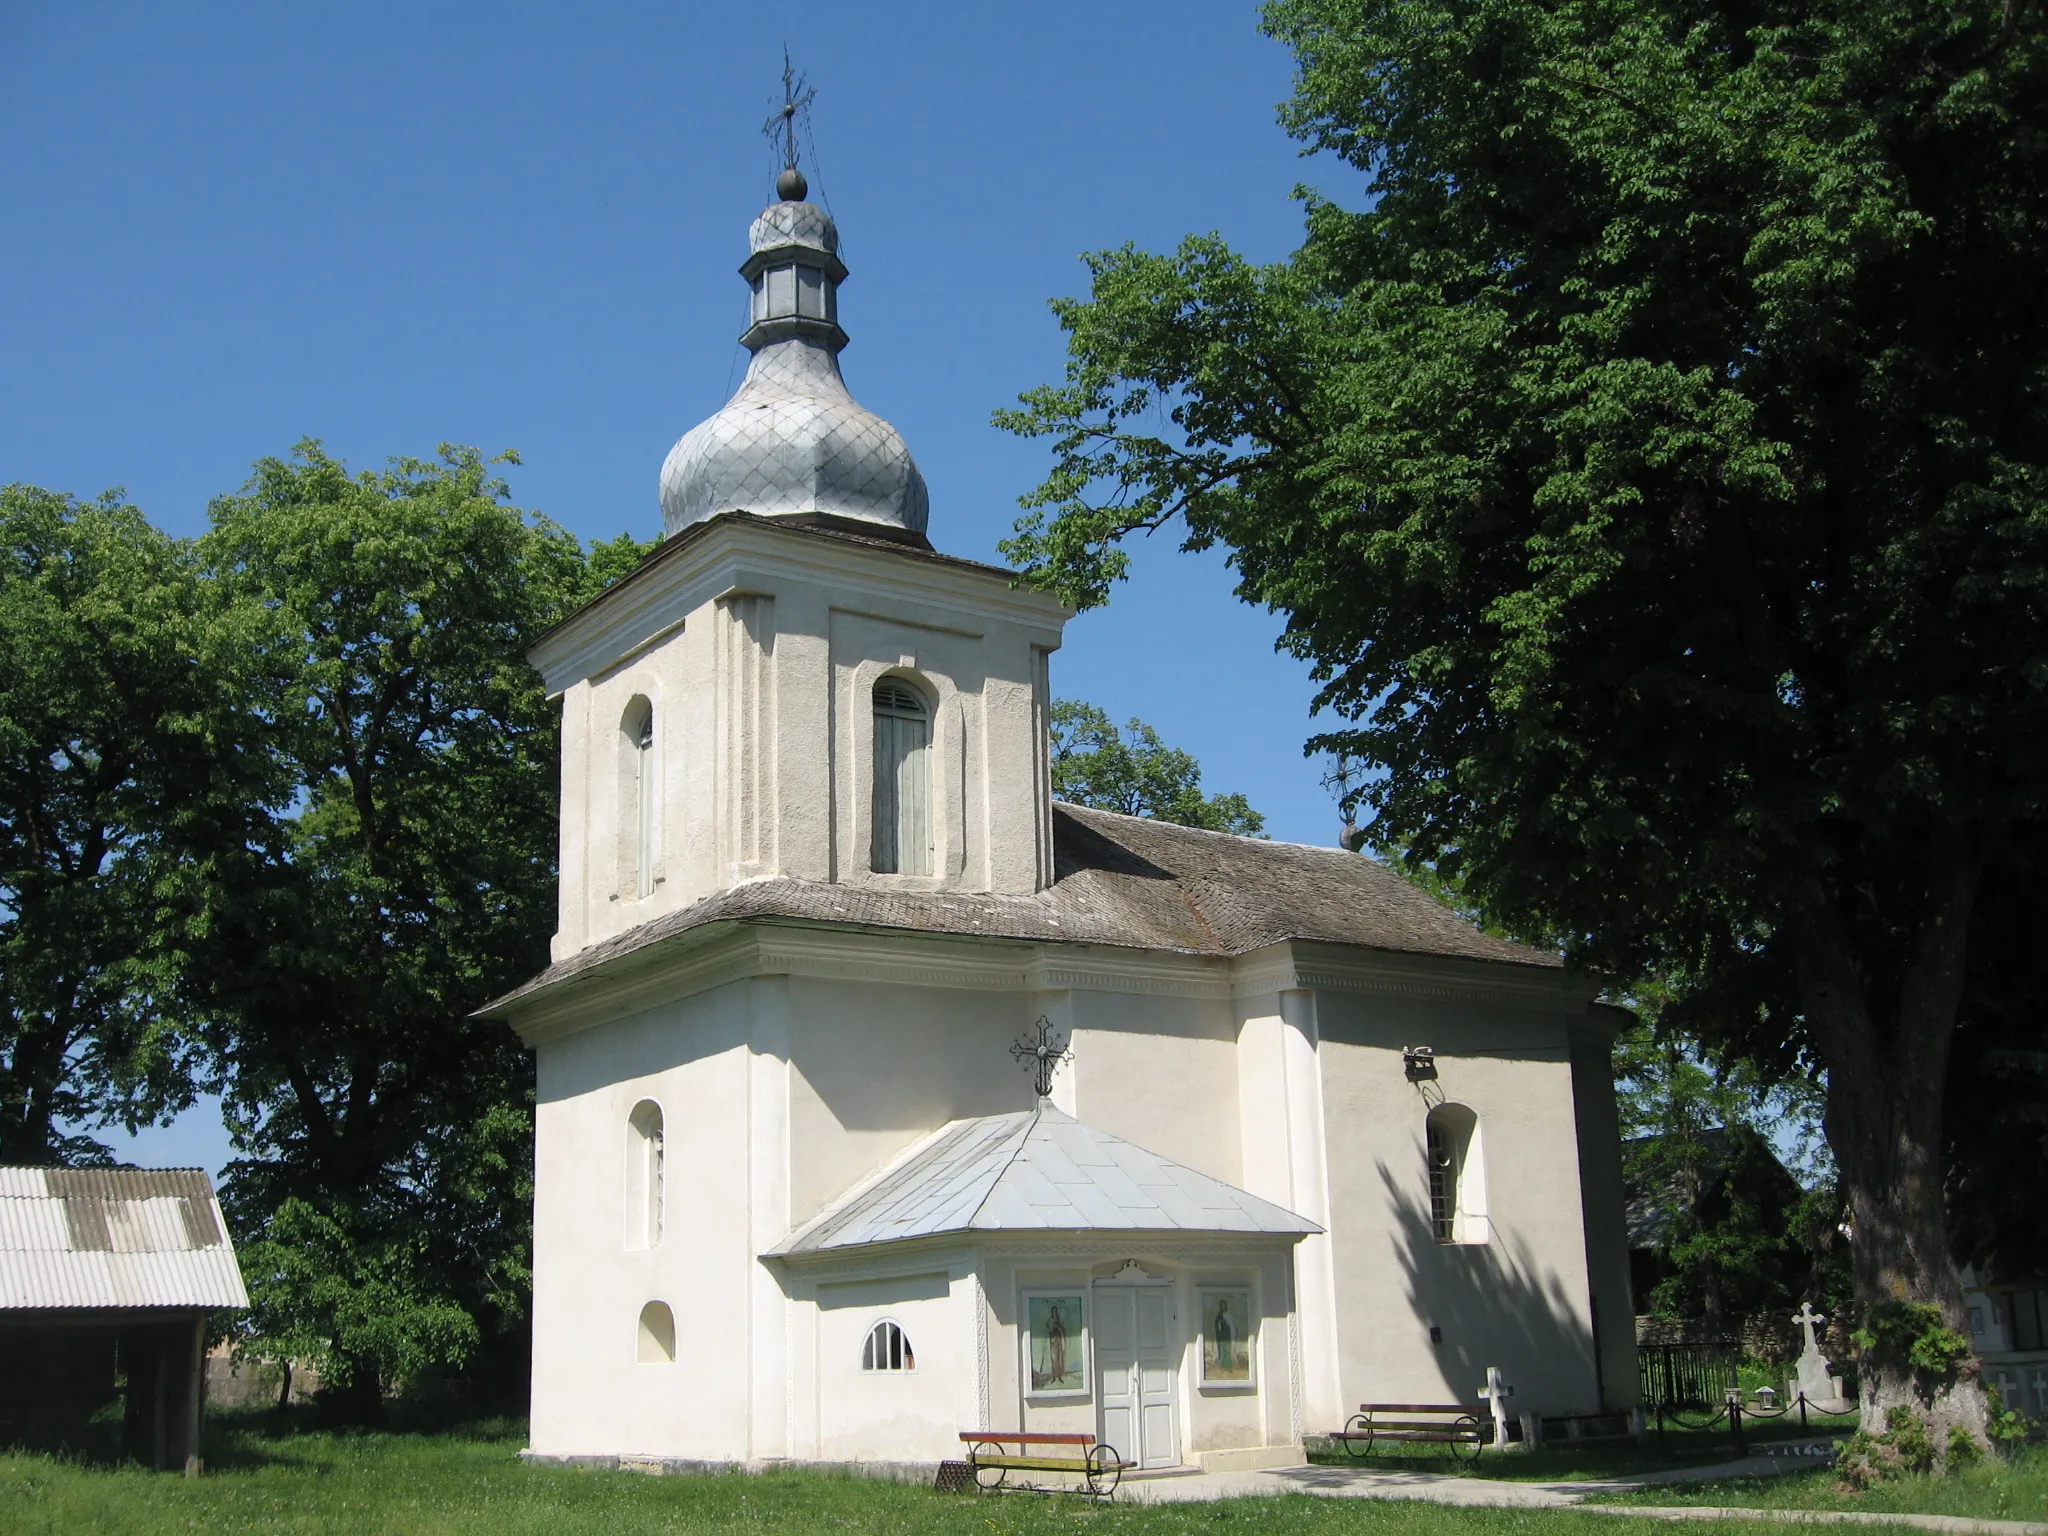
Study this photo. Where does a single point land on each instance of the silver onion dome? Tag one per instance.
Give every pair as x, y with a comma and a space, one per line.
792, 439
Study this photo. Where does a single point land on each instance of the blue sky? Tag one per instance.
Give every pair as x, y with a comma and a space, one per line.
516, 226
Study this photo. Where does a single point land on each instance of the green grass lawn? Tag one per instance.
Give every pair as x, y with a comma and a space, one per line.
2010, 1488
471, 1481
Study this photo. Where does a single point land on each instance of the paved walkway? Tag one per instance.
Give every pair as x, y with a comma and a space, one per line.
1435, 1487
1487, 1493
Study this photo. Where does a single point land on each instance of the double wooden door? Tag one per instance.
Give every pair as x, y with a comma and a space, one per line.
1137, 1366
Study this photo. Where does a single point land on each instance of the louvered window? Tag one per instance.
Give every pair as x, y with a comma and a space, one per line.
887, 1349
644, 1175
637, 800
903, 780
645, 810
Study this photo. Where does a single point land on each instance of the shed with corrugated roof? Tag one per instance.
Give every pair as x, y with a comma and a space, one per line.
109, 1279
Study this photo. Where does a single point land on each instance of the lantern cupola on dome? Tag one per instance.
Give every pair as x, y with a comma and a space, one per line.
792, 440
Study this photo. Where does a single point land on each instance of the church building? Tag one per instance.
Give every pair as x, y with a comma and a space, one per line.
884, 1097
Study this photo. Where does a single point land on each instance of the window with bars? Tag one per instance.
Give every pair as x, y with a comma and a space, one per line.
903, 780
887, 1349
1457, 1175
1443, 1182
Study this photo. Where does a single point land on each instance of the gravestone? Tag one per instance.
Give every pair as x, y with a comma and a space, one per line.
1497, 1392
1816, 1374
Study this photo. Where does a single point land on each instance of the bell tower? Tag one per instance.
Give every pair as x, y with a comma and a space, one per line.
795, 687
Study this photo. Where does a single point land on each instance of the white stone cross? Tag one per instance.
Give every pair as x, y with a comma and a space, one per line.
1808, 1320
1497, 1393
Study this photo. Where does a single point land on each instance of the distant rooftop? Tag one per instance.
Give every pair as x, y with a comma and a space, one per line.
1036, 1170
114, 1237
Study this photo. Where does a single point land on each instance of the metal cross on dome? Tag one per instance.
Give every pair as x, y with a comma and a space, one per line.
797, 95
1044, 1055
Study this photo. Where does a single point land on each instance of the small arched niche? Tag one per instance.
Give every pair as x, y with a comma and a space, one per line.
636, 799
657, 1334
644, 1175
903, 778
1456, 1167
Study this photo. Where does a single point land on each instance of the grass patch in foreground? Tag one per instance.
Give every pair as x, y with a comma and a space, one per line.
2005, 1488
472, 1484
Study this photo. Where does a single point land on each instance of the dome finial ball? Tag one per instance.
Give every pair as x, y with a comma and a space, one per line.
790, 186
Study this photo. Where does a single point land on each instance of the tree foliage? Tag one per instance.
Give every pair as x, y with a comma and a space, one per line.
399, 872
1654, 474
118, 747
1129, 769
1737, 1233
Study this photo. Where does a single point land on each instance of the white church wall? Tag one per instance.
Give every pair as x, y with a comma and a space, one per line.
1161, 1072
781, 1092
878, 1066
1285, 1159
915, 1414
592, 1394
1519, 1299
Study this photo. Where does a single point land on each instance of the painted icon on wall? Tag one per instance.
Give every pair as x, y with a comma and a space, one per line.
1055, 1341
1227, 1329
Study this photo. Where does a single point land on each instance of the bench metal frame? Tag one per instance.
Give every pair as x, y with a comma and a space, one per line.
1450, 1424
1099, 1467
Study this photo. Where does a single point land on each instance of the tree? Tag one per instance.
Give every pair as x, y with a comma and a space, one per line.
1653, 472
1739, 1234
399, 873
1132, 771
117, 752
1996, 1118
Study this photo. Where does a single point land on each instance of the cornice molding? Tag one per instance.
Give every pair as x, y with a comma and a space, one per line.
696, 962
945, 594
1310, 967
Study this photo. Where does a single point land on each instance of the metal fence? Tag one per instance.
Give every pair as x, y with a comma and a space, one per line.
1688, 1375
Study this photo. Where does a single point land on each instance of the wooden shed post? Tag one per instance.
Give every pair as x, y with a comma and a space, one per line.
159, 1405
195, 1396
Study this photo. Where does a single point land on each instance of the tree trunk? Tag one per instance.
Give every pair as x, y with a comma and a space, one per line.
361, 1401
1885, 1088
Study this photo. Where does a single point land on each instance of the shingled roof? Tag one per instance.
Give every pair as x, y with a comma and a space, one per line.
1124, 881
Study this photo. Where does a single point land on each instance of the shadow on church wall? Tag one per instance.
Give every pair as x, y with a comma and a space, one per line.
1496, 1304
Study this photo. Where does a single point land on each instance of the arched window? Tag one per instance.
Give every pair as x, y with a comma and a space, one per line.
903, 780
643, 1175
657, 1334
887, 1349
637, 798
1457, 1176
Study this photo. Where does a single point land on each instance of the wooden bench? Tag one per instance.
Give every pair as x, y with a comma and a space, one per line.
995, 1454
1450, 1424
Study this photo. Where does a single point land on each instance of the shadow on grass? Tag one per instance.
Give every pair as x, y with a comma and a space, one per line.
1678, 1450
302, 1437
